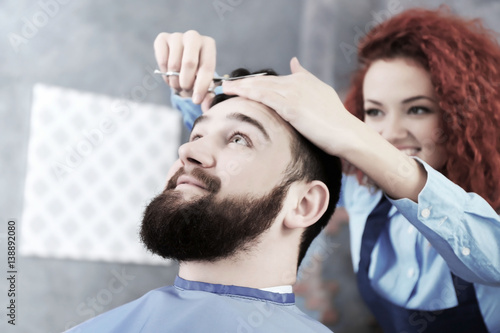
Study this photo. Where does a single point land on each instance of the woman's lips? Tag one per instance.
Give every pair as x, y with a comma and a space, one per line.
410, 151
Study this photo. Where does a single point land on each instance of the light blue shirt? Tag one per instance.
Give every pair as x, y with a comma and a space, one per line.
190, 111
447, 229
190, 307
410, 265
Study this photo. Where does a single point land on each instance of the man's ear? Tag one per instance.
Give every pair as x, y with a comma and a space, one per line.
308, 202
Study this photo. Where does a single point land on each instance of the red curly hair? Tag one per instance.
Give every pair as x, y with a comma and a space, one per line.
463, 59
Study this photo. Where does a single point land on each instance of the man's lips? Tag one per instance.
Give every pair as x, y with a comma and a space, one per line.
197, 178
185, 179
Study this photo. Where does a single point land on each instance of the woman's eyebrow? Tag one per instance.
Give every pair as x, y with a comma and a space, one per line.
414, 98
404, 101
374, 102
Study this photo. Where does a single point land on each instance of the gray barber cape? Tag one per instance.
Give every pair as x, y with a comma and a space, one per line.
190, 306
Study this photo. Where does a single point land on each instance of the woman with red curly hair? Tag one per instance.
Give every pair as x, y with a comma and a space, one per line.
422, 149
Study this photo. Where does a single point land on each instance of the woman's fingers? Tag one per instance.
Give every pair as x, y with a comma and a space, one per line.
161, 52
189, 59
175, 50
190, 54
206, 69
312, 107
296, 67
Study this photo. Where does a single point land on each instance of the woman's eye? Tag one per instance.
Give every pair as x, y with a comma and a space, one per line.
418, 110
373, 112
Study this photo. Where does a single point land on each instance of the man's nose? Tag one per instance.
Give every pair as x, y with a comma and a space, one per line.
197, 153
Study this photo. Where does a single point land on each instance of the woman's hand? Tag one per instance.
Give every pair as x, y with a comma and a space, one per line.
193, 56
312, 107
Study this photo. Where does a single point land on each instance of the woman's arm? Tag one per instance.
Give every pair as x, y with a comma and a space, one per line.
315, 110
461, 226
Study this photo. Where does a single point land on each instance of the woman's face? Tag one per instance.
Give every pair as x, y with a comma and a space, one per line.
400, 104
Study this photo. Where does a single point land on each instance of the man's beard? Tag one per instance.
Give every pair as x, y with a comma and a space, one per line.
205, 228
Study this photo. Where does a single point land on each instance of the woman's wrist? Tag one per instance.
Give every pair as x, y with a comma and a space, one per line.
393, 171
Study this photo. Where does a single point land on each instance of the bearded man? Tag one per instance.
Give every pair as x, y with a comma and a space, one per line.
243, 203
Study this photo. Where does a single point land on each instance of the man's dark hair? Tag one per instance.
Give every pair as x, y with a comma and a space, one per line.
308, 163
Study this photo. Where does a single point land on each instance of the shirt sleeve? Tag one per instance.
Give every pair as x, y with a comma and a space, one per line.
341, 202
461, 226
189, 110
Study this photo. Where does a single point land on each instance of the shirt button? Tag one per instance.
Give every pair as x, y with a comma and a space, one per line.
411, 229
426, 212
410, 273
465, 251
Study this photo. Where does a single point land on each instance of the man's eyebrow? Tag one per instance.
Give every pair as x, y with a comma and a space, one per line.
240, 117
199, 120
246, 119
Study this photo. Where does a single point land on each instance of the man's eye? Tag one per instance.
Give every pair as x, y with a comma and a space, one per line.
240, 139
195, 137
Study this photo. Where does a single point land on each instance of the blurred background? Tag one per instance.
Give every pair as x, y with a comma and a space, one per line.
61, 57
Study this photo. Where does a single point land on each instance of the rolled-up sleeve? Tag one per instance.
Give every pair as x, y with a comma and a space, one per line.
461, 226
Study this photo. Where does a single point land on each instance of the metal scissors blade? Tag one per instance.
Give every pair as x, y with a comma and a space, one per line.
216, 79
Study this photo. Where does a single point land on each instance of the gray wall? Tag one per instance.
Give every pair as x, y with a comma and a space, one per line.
106, 47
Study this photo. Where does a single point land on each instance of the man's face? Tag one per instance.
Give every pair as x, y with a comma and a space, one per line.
227, 191
242, 142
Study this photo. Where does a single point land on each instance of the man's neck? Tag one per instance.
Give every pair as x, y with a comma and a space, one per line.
251, 271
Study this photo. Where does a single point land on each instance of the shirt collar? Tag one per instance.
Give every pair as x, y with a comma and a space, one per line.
258, 294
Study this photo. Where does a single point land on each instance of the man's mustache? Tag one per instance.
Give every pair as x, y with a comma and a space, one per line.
211, 183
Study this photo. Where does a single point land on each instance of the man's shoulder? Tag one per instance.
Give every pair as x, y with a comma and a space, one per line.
128, 317
170, 309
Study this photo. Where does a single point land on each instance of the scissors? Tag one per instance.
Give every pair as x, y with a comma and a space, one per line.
217, 79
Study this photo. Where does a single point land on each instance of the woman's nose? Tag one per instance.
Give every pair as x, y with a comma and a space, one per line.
393, 129
197, 153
